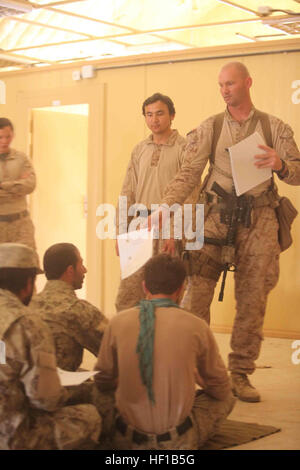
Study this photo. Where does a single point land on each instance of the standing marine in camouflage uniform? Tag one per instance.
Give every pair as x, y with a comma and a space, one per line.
255, 251
155, 375
154, 162
17, 179
32, 411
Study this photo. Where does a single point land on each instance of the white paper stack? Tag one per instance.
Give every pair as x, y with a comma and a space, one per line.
68, 378
245, 174
135, 248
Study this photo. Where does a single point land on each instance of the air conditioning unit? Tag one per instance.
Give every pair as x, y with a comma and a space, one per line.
14, 7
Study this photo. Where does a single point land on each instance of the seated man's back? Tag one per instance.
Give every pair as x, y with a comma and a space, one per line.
153, 355
182, 343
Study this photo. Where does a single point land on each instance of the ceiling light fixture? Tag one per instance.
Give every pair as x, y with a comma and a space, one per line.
14, 58
243, 36
14, 7
266, 11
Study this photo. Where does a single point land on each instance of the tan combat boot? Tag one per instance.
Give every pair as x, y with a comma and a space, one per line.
243, 389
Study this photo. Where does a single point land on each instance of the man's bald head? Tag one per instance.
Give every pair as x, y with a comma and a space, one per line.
239, 67
235, 83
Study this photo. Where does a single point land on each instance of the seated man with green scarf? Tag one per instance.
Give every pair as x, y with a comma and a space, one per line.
153, 355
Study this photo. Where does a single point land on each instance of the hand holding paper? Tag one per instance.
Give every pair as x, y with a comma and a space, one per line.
246, 174
268, 159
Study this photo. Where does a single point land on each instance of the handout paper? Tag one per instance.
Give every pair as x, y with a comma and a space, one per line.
68, 378
135, 248
245, 174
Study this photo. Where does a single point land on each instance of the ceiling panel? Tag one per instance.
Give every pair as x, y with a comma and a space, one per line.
73, 30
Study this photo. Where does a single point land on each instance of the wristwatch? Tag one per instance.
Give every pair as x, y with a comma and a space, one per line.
281, 173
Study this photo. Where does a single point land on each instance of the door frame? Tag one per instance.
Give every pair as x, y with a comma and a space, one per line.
95, 96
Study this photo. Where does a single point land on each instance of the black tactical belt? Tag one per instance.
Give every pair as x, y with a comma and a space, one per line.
13, 217
140, 437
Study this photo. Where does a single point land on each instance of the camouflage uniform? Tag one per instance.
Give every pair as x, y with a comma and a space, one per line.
257, 248
31, 398
150, 169
75, 325
17, 179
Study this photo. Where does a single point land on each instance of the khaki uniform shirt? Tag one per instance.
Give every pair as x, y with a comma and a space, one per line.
17, 179
75, 323
150, 169
182, 343
29, 378
198, 150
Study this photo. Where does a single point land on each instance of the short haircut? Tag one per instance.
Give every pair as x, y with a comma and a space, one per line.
164, 274
15, 279
239, 66
4, 122
57, 259
159, 97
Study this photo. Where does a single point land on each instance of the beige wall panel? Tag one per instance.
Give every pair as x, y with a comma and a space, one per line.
124, 128
194, 89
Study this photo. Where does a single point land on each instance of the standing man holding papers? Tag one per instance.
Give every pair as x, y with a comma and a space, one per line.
154, 162
241, 233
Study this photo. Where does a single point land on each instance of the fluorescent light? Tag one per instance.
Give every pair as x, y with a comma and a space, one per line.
16, 59
243, 36
18, 5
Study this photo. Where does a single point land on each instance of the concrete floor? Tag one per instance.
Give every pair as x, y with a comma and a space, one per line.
278, 381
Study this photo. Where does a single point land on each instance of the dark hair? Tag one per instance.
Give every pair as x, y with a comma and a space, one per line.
159, 97
164, 274
4, 122
15, 279
57, 258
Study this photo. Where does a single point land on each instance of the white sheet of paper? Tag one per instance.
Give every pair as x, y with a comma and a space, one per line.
68, 378
245, 174
135, 248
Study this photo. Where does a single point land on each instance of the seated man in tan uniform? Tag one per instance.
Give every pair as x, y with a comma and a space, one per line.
32, 415
151, 354
75, 323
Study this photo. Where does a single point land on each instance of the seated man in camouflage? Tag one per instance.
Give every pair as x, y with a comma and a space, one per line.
32, 411
152, 355
75, 323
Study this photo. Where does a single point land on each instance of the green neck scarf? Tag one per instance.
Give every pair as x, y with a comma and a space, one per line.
145, 342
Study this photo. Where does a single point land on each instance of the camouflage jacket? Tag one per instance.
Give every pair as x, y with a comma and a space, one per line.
17, 178
28, 378
75, 323
199, 147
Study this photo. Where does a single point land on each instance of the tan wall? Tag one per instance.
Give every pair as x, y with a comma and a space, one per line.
116, 125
